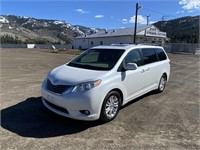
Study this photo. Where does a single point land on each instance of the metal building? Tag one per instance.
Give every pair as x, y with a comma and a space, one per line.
145, 34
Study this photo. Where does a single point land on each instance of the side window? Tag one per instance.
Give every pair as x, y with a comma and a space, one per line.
149, 55
133, 57
161, 54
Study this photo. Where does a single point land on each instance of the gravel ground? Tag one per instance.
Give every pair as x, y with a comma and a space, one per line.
170, 120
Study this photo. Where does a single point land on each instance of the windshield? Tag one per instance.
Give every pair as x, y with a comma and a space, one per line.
97, 59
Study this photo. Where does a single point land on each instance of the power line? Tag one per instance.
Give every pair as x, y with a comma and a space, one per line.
160, 13
157, 12
163, 17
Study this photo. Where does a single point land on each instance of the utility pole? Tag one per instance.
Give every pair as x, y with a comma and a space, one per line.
136, 13
148, 19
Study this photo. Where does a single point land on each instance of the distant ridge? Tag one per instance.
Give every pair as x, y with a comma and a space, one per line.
181, 30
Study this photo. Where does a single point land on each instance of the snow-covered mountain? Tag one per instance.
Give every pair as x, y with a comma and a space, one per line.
25, 28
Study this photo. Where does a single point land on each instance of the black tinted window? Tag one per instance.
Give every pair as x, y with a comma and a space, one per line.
149, 55
161, 54
133, 57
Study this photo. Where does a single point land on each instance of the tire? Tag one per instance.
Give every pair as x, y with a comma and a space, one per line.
162, 84
111, 106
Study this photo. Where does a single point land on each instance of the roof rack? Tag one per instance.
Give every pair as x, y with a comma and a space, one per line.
151, 44
118, 44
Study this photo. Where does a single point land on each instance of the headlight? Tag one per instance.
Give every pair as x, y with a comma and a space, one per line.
86, 86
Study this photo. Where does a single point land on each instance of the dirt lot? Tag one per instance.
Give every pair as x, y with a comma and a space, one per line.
170, 120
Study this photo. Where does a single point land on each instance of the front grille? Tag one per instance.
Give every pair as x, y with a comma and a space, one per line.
57, 107
59, 89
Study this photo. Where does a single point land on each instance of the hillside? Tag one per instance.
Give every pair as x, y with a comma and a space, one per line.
181, 30
29, 29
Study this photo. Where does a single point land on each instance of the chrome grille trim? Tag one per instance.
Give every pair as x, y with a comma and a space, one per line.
58, 89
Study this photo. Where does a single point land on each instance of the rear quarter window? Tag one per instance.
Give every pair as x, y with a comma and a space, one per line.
161, 54
149, 55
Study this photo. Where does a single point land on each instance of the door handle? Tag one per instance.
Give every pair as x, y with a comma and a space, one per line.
147, 69
142, 71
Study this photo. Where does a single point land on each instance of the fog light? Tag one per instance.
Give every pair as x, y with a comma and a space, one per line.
85, 112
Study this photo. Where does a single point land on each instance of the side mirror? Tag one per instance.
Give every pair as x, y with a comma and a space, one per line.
130, 66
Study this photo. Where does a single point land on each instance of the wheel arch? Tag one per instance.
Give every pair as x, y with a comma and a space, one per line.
165, 75
120, 92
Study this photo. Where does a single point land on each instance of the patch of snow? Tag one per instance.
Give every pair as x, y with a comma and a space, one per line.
3, 20
10, 27
76, 29
63, 33
45, 24
17, 29
1, 25
69, 25
58, 22
25, 17
64, 26
22, 17
181, 21
29, 21
93, 29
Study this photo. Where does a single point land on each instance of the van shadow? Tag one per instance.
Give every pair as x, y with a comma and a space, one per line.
30, 118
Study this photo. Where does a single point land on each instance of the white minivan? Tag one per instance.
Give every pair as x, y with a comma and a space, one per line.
95, 84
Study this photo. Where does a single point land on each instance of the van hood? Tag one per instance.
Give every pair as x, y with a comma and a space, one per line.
67, 75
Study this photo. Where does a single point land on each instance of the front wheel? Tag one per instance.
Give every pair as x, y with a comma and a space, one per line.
111, 106
162, 84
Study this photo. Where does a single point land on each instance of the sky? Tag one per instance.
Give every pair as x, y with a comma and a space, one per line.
108, 14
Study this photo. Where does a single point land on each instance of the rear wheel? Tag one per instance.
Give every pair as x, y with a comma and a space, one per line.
162, 84
111, 106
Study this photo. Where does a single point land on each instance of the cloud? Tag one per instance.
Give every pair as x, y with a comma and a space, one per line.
191, 11
140, 20
190, 5
152, 22
179, 12
81, 11
99, 16
124, 21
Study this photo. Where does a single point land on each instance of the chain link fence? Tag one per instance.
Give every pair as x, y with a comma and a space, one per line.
39, 46
169, 47
181, 48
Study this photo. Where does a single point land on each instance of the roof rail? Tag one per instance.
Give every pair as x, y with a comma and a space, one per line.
152, 44
141, 44
119, 44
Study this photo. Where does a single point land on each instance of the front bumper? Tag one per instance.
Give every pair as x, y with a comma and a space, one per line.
70, 105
